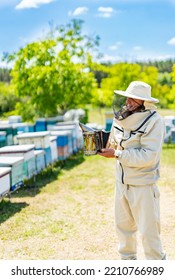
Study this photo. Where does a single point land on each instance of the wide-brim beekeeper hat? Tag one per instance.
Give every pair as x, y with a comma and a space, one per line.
138, 90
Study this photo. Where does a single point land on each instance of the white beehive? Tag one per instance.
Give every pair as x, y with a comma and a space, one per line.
16, 175
40, 160
4, 181
40, 139
53, 146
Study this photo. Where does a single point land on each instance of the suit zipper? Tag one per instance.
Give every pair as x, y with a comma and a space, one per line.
122, 173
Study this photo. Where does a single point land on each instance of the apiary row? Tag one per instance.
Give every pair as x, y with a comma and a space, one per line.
30, 152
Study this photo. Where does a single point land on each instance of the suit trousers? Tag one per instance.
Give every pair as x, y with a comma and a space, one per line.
137, 209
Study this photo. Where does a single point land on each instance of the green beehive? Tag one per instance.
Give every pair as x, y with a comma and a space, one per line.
9, 133
3, 139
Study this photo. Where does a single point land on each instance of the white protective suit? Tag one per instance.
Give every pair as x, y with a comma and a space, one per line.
138, 141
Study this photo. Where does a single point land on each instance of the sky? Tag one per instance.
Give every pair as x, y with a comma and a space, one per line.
129, 30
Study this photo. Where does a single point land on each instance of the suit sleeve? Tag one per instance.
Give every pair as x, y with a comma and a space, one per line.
150, 148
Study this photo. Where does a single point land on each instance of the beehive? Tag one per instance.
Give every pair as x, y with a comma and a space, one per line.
25, 151
4, 180
16, 175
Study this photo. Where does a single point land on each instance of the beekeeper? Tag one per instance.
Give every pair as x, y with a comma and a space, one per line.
136, 140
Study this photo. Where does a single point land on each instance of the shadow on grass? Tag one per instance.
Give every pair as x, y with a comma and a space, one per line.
51, 173
8, 209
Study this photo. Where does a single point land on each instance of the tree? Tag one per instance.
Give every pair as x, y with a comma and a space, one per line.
52, 75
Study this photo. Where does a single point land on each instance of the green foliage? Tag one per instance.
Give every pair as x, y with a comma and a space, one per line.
119, 77
46, 76
165, 79
7, 98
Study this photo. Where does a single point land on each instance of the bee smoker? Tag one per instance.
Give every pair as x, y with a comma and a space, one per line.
94, 140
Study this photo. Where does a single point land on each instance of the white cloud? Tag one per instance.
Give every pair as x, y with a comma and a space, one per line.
172, 41
105, 12
78, 11
105, 9
27, 4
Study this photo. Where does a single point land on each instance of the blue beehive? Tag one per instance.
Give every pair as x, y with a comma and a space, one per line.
16, 175
72, 128
31, 127
4, 181
41, 124
64, 143
77, 133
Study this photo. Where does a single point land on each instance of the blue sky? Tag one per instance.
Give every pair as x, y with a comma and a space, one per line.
129, 29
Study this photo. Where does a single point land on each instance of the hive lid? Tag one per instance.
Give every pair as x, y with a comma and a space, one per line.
9, 161
33, 134
4, 171
39, 152
17, 148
